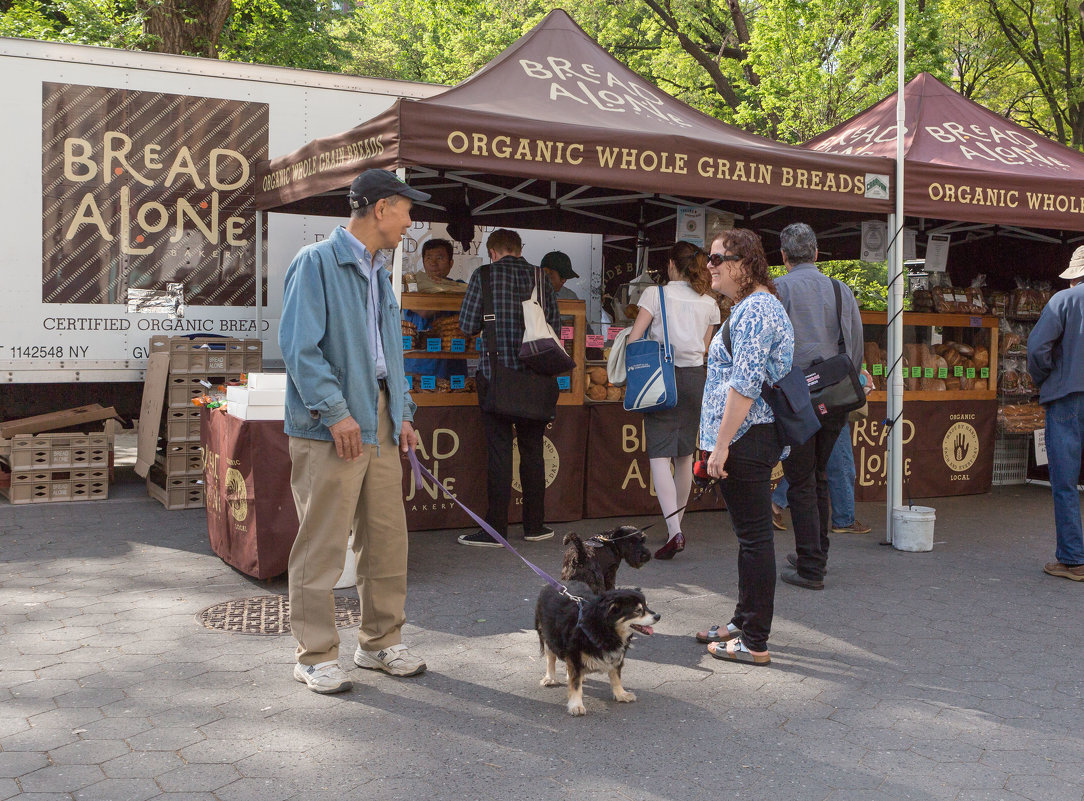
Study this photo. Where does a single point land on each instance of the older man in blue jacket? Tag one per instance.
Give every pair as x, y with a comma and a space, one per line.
1056, 365
347, 410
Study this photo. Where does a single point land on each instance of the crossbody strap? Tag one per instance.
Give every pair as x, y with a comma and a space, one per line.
667, 353
489, 319
839, 315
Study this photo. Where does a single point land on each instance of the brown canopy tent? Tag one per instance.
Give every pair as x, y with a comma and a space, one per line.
556, 134
972, 172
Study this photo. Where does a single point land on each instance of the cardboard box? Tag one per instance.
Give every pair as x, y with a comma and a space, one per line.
150, 411
68, 418
267, 381
246, 411
256, 397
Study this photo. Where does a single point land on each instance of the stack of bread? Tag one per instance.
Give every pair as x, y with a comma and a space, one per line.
442, 385
598, 386
1020, 418
947, 355
409, 330
447, 328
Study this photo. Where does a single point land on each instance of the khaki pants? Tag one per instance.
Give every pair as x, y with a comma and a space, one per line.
333, 497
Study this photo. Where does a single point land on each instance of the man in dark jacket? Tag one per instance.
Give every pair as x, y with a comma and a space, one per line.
512, 279
810, 301
1056, 365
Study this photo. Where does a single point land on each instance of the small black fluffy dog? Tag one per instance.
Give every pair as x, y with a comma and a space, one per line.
594, 641
595, 562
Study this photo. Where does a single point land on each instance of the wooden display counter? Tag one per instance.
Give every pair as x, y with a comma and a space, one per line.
573, 315
933, 330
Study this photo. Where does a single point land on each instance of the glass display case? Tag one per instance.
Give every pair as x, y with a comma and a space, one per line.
945, 356
434, 383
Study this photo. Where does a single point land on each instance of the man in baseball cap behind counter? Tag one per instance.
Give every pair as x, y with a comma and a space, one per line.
348, 413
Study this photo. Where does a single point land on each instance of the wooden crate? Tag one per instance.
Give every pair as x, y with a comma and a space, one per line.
176, 492
50, 486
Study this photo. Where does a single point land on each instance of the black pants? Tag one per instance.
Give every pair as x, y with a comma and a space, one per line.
747, 490
806, 470
500, 432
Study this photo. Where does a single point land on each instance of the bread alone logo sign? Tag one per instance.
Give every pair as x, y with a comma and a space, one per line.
550, 456
960, 447
143, 189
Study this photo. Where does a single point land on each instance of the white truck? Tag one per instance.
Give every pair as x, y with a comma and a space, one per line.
128, 209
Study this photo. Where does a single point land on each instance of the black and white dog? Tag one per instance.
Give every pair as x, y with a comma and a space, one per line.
591, 636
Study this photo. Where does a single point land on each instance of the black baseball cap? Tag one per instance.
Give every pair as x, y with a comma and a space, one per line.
560, 263
372, 185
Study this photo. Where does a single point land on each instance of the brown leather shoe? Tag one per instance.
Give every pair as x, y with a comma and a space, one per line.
856, 527
1071, 572
777, 521
673, 546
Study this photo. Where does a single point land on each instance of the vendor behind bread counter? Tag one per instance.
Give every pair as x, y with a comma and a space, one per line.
437, 263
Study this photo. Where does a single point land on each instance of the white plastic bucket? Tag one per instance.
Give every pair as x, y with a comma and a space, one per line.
349, 578
912, 528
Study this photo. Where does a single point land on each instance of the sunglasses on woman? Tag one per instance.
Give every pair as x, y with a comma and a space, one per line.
715, 259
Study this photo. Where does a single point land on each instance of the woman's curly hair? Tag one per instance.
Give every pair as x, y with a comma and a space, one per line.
754, 271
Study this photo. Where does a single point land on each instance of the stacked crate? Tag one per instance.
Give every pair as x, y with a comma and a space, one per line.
196, 366
57, 467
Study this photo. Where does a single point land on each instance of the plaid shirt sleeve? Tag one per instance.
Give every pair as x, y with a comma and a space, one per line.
470, 312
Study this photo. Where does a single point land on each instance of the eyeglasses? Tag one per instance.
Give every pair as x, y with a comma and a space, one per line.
715, 259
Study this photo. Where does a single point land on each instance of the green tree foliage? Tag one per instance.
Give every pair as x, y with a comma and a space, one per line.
1047, 36
290, 33
113, 23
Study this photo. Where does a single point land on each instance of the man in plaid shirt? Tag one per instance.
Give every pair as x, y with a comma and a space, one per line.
512, 280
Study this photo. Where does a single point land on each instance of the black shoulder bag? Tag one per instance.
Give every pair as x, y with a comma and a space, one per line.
510, 393
795, 420
834, 386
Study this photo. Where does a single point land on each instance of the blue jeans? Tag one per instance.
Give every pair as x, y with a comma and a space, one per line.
1064, 435
841, 476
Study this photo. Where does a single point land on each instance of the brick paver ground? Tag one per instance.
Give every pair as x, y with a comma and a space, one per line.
956, 674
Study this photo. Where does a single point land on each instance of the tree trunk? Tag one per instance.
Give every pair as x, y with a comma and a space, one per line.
185, 27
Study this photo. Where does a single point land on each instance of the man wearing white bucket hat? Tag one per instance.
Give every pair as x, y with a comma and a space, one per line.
1056, 365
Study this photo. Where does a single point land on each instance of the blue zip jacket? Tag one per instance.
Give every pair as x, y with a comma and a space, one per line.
1056, 346
330, 369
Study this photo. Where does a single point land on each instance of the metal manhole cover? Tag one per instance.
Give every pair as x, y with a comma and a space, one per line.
269, 614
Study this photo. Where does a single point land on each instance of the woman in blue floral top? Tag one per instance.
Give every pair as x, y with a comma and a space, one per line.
738, 427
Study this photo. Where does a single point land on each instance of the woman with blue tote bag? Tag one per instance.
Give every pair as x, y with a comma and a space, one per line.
691, 315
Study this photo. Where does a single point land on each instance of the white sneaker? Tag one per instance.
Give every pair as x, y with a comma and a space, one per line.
395, 659
327, 677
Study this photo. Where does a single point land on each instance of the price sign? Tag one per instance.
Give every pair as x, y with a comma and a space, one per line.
958, 371
429, 382
459, 346
596, 341
432, 345
976, 322
927, 372
613, 331
878, 369
916, 372
408, 342
970, 372
410, 382
567, 332
459, 381
984, 372
564, 382
942, 372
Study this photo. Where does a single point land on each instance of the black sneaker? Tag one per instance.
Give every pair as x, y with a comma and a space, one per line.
479, 539
544, 534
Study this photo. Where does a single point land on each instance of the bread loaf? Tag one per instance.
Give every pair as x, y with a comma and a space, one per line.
596, 392
614, 393
597, 375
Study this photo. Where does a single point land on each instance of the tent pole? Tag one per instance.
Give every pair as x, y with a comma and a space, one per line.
397, 258
259, 274
895, 326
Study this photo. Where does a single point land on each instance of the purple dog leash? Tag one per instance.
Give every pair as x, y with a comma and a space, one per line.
420, 473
